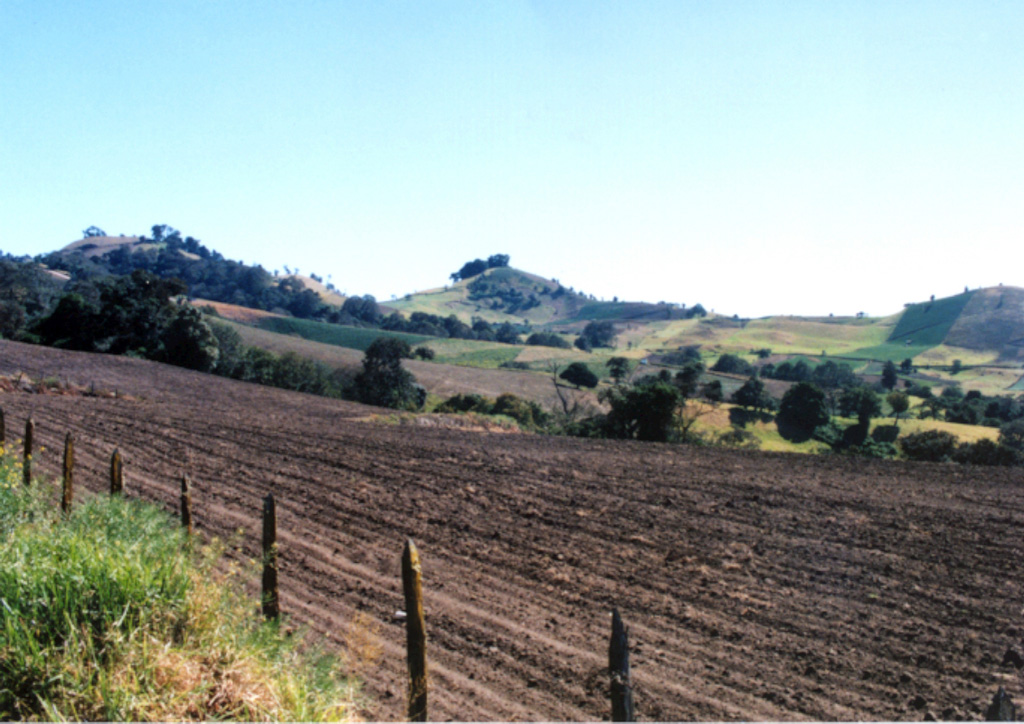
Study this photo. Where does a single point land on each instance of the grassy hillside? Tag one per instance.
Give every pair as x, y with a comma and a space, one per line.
351, 337
109, 615
929, 323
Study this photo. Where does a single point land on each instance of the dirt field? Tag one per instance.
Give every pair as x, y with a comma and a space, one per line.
756, 586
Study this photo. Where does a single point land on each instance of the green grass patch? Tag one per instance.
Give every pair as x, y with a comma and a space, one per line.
928, 323
491, 358
889, 352
109, 615
338, 335
1018, 385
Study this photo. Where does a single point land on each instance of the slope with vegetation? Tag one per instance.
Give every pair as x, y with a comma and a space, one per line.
109, 615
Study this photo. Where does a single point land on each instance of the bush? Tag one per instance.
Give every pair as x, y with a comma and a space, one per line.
731, 364
547, 339
929, 446
985, 452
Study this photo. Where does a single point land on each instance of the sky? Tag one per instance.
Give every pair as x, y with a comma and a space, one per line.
758, 158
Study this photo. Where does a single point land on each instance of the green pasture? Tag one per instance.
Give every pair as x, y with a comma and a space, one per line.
928, 323
351, 337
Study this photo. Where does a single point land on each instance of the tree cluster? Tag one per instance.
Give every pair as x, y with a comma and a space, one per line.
479, 266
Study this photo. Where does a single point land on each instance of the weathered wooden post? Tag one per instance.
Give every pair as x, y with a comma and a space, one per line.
186, 505
1002, 708
30, 428
271, 609
415, 631
116, 474
3, 429
618, 667
69, 475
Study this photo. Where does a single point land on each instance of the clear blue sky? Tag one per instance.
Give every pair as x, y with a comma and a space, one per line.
757, 157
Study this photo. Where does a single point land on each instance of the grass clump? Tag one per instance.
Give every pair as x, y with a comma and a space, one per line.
109, 615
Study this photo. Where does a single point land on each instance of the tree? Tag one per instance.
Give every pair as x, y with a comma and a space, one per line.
732, 364
579, 374
93, 231
930, 445
889, 375
907, 366
599, 334
752, 395
957, 367
383, 381
712, 391
862, 403
900, 403
803, 407
688, 378
189, 342
547, 339
507, 334
645, 411
618, 368
1011, 435
424, 353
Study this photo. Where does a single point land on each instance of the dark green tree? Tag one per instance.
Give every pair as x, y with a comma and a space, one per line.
732, 364
1011, 435
688, 378
900, 403
712, 391
803, 408
189, 342
862, 403
618, 368
579, 374
753, 395
644, 411
383, 381
599, 334
889, 377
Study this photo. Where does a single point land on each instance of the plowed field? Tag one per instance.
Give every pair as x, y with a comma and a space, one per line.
756, 586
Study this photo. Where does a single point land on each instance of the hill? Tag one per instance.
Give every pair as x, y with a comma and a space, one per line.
507, 294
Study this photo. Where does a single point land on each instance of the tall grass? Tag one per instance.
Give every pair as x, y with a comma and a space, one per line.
110, 615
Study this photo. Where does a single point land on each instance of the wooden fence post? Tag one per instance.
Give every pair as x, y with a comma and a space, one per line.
3, 429
618, 667
415, 631
186, 505
30, 427
69, 475
116, 474
271, 609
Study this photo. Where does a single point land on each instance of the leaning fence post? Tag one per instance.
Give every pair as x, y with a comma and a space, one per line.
69, 473
30, 427
1002, 708
186, 505
618, 667
116, 474
415, 631
271, 609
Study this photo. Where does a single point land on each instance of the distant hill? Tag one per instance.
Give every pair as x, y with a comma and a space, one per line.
989, 319
507, 294
993, 318
980, 327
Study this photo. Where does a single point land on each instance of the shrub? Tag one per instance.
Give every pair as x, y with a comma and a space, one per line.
985, 452
731, 364
930, 445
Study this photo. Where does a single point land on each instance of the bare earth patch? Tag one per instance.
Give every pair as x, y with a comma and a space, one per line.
756, 586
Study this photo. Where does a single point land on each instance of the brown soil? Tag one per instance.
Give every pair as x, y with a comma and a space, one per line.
756, 586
